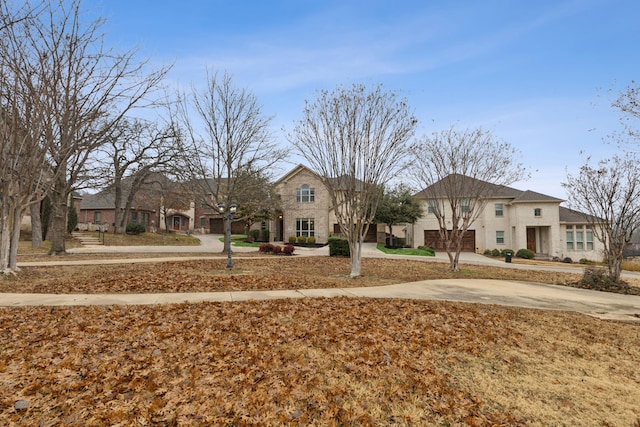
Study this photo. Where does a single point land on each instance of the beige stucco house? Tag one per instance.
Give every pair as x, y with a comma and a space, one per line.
516, 219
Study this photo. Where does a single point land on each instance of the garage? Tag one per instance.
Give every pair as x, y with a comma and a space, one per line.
432, 239
217, 226
370, 237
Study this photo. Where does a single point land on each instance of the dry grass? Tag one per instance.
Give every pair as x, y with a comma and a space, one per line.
265, 273
340, 361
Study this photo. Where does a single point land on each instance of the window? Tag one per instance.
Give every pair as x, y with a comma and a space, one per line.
305, 194
579, 238
589, 240
465, 205
569, 239
579, 241
537, 212
305, 227
500, 237
499, 209
97, 217
134, 216
203, 222
432, 206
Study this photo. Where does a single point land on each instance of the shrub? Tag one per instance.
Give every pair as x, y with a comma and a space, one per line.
292, 239
311, 240
567, 260
254, 234
525, 253
586, 261
277, 249
302, 240
427, 249
487, 252
266, 247
495, 252
503, 252
265, 235
338, 247
135, 228
288, 249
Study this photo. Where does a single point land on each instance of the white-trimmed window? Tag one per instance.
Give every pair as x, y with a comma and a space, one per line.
465, 205
305, 194
569, 237
499, 209
579, 238
432, 206
500, 237
305, 227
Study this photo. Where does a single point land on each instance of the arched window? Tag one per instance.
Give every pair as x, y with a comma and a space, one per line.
305, 194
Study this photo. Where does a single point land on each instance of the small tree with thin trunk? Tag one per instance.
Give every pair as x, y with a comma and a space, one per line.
459, 171
609, 195
356, 139
398, 206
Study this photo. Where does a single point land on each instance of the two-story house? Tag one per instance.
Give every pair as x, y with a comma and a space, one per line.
306, 208
516, 219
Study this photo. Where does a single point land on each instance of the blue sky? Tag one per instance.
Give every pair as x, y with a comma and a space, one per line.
538, 74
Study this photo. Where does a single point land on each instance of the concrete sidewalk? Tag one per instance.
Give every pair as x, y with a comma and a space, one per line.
511, 293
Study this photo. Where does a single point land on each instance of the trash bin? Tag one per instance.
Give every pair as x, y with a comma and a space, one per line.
507, 256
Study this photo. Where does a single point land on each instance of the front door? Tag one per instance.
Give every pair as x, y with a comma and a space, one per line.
531, 239
176, 222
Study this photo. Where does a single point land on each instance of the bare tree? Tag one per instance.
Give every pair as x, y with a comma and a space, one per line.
459, 171
609, 196
86, 90
356, 139
230, 135
136, 151
628, 103
25, 176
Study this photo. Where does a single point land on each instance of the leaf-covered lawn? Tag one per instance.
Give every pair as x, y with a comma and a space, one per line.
340, 361
268, 273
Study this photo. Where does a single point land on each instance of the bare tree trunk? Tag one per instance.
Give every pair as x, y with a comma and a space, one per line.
58, 226
355, 249
36, 225
5, 236
18, 213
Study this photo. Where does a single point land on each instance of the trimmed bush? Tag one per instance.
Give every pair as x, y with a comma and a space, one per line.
266, 247
302, 240
288, 249
292, 239
586, 261
427, 249
311, 240
277, 249
495, 253
265, 235
135, 228
338, 247
487, 252
255, 234
567, 260
525, 253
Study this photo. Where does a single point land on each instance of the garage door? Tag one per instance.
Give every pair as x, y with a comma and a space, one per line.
217, 226
371, 236
432, 239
